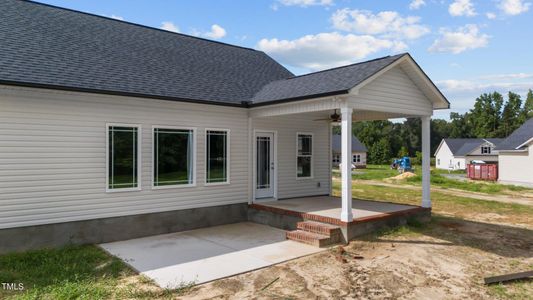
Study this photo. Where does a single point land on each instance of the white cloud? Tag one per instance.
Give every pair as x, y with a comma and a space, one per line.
465, 38
117, 17
304, 3
506, 82
217, 32
169, 26
514, 7
389, 24
511, 76
462, 8
326, 50
490, 15
416, 4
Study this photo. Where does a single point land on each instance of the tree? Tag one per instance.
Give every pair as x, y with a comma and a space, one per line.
486, 114
512, 116
527, 111
379, 153
403, 152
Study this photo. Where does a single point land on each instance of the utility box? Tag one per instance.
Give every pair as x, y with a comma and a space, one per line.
482, 171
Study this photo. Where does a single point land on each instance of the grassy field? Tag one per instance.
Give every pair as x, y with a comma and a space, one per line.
383, 172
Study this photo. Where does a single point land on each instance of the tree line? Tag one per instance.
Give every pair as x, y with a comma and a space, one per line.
491, 117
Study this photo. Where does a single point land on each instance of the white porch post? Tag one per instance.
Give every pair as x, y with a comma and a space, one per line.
346, 164
426, 167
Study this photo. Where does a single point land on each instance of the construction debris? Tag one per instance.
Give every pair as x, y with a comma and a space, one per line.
403, 176
508, 277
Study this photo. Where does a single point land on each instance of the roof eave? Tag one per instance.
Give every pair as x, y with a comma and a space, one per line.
307, 97
118, 93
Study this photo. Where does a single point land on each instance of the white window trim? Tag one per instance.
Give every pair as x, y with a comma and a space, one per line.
228, 155
486, 147
312, 155
139, 157
194, 141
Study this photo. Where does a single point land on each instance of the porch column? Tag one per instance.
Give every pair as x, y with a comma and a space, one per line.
346, 164
426, 165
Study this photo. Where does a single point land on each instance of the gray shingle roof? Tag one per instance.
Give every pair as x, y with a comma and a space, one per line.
461, 147
45, 45
518, 137
52, 47
327, 82
357, 146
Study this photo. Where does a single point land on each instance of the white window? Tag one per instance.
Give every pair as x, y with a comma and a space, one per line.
336, 158
217, 156
438, 162
174, 156
486, 150
304, 155
123, 157
356, 158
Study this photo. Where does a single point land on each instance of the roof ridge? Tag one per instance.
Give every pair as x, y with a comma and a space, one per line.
136, 24
346, 66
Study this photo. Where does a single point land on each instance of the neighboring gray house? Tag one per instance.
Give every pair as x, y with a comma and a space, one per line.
455, 154
358, 152
516, 156
111, 130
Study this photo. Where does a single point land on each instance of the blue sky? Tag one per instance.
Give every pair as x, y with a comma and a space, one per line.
466, 46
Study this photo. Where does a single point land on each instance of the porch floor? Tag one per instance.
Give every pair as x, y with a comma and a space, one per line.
328, 209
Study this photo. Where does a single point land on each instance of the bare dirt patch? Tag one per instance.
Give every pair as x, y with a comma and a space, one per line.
444, 260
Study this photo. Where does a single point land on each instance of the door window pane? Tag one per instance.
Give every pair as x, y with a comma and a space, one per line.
217, 156
263, 162
173, 157
123, 157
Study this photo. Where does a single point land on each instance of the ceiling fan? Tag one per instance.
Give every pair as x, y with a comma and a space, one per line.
335, 117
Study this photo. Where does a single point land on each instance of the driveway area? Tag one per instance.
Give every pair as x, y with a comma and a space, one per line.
207, 254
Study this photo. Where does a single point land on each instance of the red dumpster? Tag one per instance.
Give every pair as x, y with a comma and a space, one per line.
482, 171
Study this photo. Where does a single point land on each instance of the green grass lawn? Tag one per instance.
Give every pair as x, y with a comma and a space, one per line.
381, 172
74, 272
443, 203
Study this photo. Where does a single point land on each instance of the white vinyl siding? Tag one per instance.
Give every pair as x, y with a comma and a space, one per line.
393, 92
516, 167
287, 128
53, 156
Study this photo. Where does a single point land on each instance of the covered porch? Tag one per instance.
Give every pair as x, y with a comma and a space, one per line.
399, 89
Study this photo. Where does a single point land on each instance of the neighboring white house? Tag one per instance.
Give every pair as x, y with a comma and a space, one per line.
111, 130
516, 156
358, 152
455, 154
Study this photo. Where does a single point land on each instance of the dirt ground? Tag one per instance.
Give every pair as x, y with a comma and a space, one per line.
446, 259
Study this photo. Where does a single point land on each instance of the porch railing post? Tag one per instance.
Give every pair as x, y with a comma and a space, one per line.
426, 165
346, 164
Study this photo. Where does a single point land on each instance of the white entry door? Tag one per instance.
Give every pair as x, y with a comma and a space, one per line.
264, 184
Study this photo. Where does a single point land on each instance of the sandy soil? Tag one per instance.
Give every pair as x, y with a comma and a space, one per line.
445, 260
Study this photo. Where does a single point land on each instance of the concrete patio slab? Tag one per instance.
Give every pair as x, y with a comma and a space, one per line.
207, 254
328, 206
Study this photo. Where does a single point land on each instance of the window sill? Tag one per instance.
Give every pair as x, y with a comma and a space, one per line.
123, 190
304, 178
175, 186
216, 183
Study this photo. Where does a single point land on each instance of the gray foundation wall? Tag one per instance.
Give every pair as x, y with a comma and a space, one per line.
118, 228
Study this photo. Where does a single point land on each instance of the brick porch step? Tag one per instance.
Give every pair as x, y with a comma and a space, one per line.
316, 234
306, 237
320, 228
